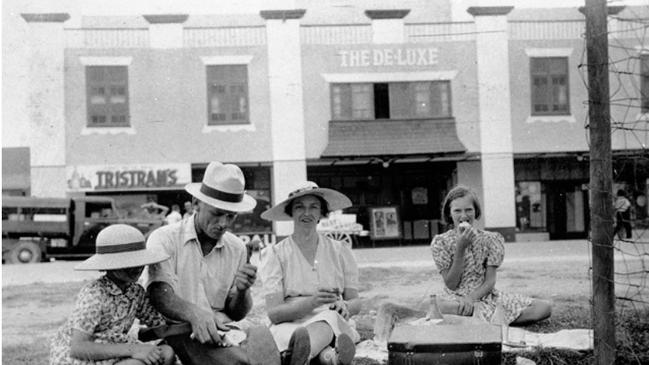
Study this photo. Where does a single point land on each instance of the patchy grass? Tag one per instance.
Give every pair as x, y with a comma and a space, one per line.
32, 313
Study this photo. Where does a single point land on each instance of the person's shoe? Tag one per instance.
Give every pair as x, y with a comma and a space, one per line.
299, 348
345, 350
261, 347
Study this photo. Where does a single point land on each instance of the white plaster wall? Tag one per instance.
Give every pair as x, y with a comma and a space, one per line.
166, 35
495, 121
469, 173
49, 182
287, 116
387, 31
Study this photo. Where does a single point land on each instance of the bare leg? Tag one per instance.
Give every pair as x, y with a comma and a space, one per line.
321, 335
537, 311
387, 317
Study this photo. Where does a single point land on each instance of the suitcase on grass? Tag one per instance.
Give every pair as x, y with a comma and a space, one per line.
445, 345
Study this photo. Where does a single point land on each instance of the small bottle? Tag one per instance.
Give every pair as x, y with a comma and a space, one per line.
498, 318
433, 309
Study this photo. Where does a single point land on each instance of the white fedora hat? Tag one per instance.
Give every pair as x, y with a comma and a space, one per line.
223, 187
120, 246
334, 199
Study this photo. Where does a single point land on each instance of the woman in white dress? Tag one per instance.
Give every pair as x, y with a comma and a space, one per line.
310, 282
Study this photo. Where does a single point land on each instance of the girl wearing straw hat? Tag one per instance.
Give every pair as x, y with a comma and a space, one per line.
310, 282
97, 330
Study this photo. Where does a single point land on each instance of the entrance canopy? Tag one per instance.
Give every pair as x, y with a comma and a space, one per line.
392, 137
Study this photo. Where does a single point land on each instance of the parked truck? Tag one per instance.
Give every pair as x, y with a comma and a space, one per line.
37, 229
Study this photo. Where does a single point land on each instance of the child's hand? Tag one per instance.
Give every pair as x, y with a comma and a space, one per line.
148, 354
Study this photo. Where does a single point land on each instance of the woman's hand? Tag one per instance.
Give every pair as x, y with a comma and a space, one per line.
465, 306
341, 307
324, 296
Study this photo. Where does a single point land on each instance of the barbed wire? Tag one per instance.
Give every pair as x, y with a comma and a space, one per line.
629, 134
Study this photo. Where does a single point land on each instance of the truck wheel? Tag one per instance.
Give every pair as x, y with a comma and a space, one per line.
25, 252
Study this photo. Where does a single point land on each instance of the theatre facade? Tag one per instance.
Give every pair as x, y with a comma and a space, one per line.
391, 107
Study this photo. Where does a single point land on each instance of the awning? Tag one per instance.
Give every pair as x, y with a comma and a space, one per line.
393, 137
15, 168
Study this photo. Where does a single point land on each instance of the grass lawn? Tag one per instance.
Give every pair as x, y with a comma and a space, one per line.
32, 313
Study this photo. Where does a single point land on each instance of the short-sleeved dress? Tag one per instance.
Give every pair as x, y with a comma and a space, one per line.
285, 270
107, 313
487, 250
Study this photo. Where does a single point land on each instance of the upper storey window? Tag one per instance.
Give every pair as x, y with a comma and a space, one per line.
550, 94
107, 96
393, 100
227, 89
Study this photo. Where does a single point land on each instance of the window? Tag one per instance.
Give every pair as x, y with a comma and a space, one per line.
549, 86
107, 96
644, 83
227, 94
530, 206
395, 100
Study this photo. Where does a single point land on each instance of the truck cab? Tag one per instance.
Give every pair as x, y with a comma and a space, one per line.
35, 229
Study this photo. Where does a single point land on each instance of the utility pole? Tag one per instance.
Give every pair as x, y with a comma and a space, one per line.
601, 176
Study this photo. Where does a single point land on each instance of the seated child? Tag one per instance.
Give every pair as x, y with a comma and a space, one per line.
97, 330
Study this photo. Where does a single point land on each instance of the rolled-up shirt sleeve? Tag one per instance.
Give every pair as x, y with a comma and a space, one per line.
164, 271
350, 268
270, 270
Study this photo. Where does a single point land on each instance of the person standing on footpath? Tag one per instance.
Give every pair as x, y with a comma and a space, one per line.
623, 215
207, 280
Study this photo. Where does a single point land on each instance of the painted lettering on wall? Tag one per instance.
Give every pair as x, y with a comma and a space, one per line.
389, 57
266, 239
136, 179
128, 177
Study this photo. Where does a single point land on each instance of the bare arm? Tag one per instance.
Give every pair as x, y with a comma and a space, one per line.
204, 323
487, 285
453, 275
83, 347
280, 311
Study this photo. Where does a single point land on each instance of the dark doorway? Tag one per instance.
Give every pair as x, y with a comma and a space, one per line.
568, 211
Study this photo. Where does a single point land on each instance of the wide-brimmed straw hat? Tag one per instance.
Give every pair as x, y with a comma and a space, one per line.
223, 187
334, 199
120, 246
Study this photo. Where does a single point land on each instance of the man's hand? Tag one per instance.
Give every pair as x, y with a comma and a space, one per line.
340, 306
205, 327
245, 277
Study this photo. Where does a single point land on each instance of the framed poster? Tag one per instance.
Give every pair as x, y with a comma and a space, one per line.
384, 223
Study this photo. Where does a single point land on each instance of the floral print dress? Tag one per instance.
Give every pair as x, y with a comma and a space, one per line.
487, 250
107, 313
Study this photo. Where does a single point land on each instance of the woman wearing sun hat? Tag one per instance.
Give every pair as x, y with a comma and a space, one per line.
97, 330
310, 281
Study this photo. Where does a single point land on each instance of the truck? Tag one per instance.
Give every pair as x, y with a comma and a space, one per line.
35, 229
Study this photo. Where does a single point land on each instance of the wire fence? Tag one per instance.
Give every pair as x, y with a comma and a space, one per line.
628, 54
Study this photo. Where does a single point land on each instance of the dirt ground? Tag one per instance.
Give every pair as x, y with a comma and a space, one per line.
31, 313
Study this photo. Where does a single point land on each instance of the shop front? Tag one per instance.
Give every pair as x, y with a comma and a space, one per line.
398, 202
132, 185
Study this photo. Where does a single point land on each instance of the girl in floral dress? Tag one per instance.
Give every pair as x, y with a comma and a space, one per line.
467, 259
97, 330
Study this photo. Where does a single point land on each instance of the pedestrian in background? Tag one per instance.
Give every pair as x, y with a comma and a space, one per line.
174, 216
623, 215
189, 209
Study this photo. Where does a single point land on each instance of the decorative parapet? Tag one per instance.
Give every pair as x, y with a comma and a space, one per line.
166, 18
45, 17
489, 10
611, 10
282, 14
387, 14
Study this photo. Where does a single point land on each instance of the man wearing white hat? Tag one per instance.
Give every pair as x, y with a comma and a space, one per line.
206, 281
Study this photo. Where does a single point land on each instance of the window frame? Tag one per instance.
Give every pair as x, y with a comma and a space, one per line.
341, 99
549, 96
110, 80
229, 94
644, 83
